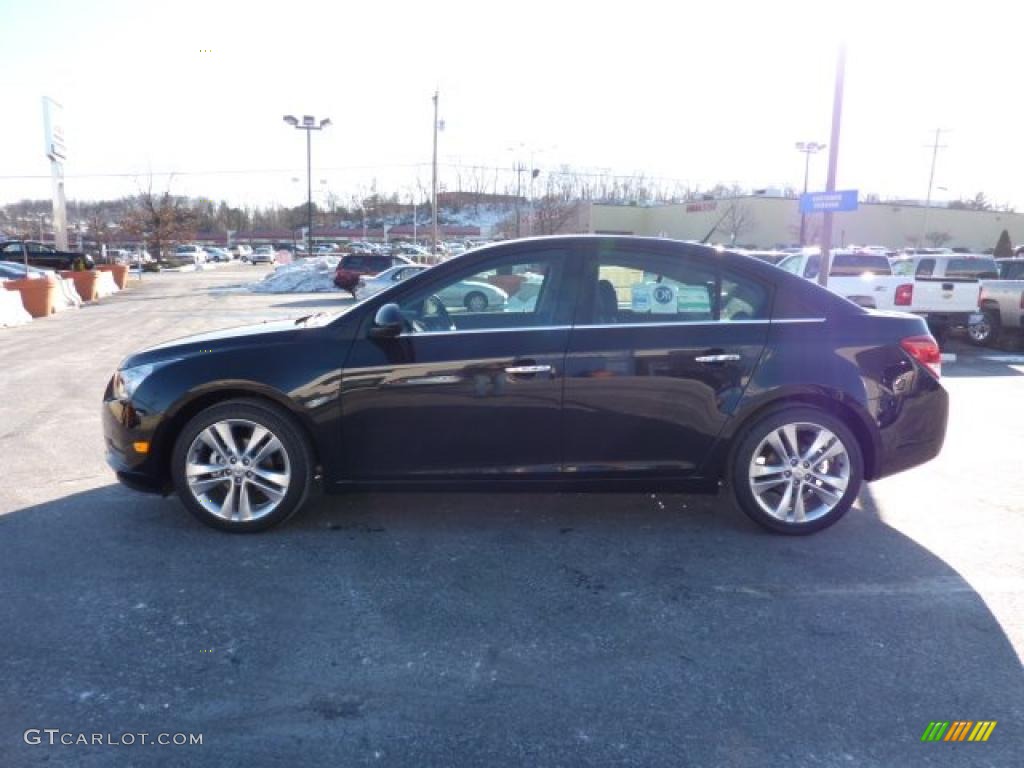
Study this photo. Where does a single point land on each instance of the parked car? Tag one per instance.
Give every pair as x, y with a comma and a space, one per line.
264, 254
862, 277
12, 270
194, 253
945, 287
214, 253
42, 255
241, 251
354, 265
470, 295
1001, 304
654, 364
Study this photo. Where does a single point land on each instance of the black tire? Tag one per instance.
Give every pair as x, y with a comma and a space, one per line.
940, 332
296, 450
475, 301
751, 441
986, 333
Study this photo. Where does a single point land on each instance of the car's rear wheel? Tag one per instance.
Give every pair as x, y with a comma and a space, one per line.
797, 471
241, 465
985, 332
476, 302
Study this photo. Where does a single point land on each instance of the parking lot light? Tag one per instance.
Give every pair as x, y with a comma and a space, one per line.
309, 123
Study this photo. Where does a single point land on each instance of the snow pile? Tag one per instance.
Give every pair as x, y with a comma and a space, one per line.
12, 312
105, 285
305, 275
67, 295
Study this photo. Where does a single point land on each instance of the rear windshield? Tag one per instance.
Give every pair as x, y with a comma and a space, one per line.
859, 263
977, 268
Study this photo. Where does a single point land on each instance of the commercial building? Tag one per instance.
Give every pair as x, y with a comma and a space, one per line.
767, 222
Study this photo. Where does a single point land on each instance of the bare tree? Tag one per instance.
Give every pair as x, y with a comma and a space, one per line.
938, 239
736, 222
161, 219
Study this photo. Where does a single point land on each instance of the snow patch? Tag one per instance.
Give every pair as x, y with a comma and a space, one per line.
12, 311
304, 275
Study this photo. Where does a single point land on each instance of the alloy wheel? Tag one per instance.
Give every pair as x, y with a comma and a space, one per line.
799, 472
238, 470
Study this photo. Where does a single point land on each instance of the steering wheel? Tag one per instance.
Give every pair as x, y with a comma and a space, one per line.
437, 320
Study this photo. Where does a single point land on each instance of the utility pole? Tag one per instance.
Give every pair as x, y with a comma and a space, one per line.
931, 180
833, 161
433, 185
412, 199
518, 168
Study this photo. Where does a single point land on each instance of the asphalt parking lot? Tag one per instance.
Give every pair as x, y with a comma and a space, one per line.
475, 629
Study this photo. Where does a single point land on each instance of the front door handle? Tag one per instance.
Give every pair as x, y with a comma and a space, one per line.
717, 358
526, 370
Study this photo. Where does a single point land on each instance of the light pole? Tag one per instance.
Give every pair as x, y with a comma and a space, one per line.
308, 124
808, 148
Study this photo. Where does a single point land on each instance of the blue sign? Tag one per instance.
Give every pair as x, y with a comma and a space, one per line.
824, 202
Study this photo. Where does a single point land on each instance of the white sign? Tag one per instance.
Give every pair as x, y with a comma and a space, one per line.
53, 129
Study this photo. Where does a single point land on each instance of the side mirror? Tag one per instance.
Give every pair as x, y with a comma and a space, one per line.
388, 322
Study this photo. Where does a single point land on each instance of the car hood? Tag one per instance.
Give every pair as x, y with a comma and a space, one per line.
211, 341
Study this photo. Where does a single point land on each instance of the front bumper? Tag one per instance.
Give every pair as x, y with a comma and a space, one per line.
123, 427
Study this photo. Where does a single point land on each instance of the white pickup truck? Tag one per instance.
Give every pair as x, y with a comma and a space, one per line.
1002, 304
944, 288
862, 277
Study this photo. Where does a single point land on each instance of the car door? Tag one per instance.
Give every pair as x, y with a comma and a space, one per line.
43, 256
662, 348
462, 394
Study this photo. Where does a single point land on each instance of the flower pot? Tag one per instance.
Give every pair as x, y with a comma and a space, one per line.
120, 273
85, 283
38, 295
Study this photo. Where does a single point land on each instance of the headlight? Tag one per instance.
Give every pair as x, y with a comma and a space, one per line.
127, 380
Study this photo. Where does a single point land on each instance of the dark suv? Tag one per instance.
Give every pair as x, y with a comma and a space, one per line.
42, 255
355, 265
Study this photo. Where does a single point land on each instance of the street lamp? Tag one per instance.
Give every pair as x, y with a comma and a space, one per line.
808, 148
308, 124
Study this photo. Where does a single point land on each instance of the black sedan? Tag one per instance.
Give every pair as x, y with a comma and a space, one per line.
616, 363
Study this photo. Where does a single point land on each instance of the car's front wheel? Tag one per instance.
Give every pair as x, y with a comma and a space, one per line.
241, 465
797, 470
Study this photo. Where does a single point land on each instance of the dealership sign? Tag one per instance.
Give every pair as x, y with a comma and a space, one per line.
829, 202
53, 129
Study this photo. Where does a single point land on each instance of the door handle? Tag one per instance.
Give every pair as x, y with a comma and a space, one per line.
520, 370
717, 358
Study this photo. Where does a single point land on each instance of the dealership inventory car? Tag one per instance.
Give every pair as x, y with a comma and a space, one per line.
633, 363
353, 266
474, 295
264, 254
43, 255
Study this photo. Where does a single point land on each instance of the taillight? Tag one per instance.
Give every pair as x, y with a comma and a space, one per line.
904, 295
926, 351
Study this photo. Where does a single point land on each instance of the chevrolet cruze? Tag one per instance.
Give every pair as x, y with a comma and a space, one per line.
617, 363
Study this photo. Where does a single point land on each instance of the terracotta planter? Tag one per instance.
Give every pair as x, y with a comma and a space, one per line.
120, 273
37, 295
85, 283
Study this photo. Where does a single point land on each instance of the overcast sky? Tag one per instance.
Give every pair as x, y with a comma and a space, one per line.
700, 92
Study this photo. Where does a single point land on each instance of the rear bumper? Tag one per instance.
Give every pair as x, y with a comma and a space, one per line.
948, 319
914, 428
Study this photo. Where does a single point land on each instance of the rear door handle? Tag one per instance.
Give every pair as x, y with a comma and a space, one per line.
520, 370
717, 358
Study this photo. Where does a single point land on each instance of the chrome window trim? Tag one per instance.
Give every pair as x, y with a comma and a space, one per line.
518, 328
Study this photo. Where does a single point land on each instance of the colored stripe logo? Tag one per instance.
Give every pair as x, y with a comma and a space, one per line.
958, 730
